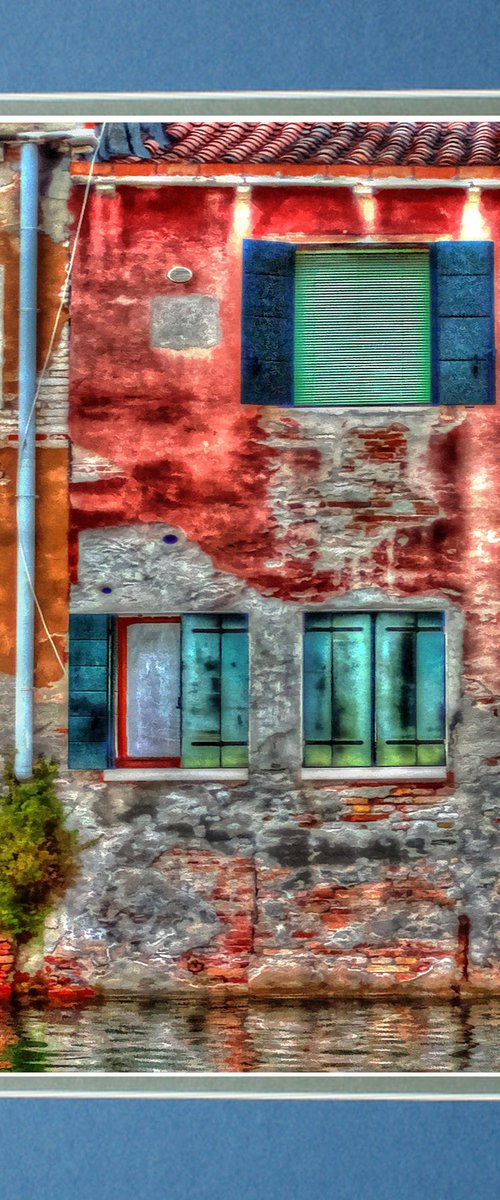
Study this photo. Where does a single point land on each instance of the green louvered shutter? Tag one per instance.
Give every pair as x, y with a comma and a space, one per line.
89, 714
463, 322
234, 691
337, 690
431, 689
267, 323
409, 689
362, 330
318, 690
214, 690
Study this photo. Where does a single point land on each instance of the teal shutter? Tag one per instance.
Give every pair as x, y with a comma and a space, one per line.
214, 690
409, 689
352, 684
431, 690
362, 330
89, 712
395, 689
463, 322
337, 690
267, 323
318, 732
234, 691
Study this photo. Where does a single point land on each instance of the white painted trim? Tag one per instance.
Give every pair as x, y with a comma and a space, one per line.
240, 179
330, 93
373, 774
173, 775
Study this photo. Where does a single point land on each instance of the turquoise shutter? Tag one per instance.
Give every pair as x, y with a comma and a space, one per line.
234, 691
352, 685
463, 324
267, 323
431, 690
214, 690
395, 690
318, 690
409, 689
337, 690
89, 712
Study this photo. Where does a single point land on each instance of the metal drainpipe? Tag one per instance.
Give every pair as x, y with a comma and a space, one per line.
23, 763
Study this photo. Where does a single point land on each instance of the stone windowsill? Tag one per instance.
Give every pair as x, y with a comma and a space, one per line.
307, 774
374, 774
173, 775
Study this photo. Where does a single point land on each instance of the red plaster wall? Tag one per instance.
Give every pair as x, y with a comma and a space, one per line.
189, 453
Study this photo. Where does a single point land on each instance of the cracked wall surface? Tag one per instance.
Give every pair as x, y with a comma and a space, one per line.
51, 580
280, 884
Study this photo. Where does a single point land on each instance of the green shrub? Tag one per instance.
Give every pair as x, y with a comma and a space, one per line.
38, 855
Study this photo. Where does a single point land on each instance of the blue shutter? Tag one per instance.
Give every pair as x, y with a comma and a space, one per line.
463, 325
267, 323
89, 714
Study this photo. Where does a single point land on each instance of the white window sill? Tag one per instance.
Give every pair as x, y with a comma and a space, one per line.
374, 774
174, 775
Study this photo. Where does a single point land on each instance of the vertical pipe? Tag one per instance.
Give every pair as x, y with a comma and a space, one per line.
23, 764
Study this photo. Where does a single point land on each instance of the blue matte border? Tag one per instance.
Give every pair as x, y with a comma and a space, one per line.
278, 1150
199, 1150
166, 45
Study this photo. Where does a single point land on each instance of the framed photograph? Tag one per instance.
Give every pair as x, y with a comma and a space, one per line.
249, 831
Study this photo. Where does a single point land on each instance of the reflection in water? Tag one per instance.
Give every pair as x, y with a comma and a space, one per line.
249, 1036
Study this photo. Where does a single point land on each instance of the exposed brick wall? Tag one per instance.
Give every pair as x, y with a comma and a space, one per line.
312, 888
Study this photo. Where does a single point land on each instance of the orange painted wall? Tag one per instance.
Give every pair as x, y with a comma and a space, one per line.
51, 557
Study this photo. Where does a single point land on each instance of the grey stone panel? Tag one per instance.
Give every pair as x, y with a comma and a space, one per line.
185, 322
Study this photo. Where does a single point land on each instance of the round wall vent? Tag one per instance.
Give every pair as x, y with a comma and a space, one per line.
180, 274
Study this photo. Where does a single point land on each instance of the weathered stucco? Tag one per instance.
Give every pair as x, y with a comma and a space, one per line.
279, 884
51, 581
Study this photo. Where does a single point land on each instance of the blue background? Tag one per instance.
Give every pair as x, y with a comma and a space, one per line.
251, 1150
212, 45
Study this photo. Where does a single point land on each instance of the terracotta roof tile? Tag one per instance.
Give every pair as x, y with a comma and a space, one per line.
380, 143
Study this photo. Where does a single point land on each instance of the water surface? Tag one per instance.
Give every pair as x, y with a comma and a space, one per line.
249, 1036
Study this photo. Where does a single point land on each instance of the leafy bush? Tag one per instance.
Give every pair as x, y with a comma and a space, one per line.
38, 855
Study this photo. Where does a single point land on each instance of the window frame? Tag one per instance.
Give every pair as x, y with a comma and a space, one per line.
122, 758
462, 320
376, 771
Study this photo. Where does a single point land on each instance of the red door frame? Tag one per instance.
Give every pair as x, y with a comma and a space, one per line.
122, 757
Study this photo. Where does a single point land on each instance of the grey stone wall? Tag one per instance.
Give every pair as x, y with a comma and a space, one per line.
278, 885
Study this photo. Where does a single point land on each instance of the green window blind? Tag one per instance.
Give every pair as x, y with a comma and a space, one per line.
362, 332
374, 689
214, 690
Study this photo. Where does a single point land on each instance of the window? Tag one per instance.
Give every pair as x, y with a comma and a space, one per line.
374, 689
166, 691
360, 325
